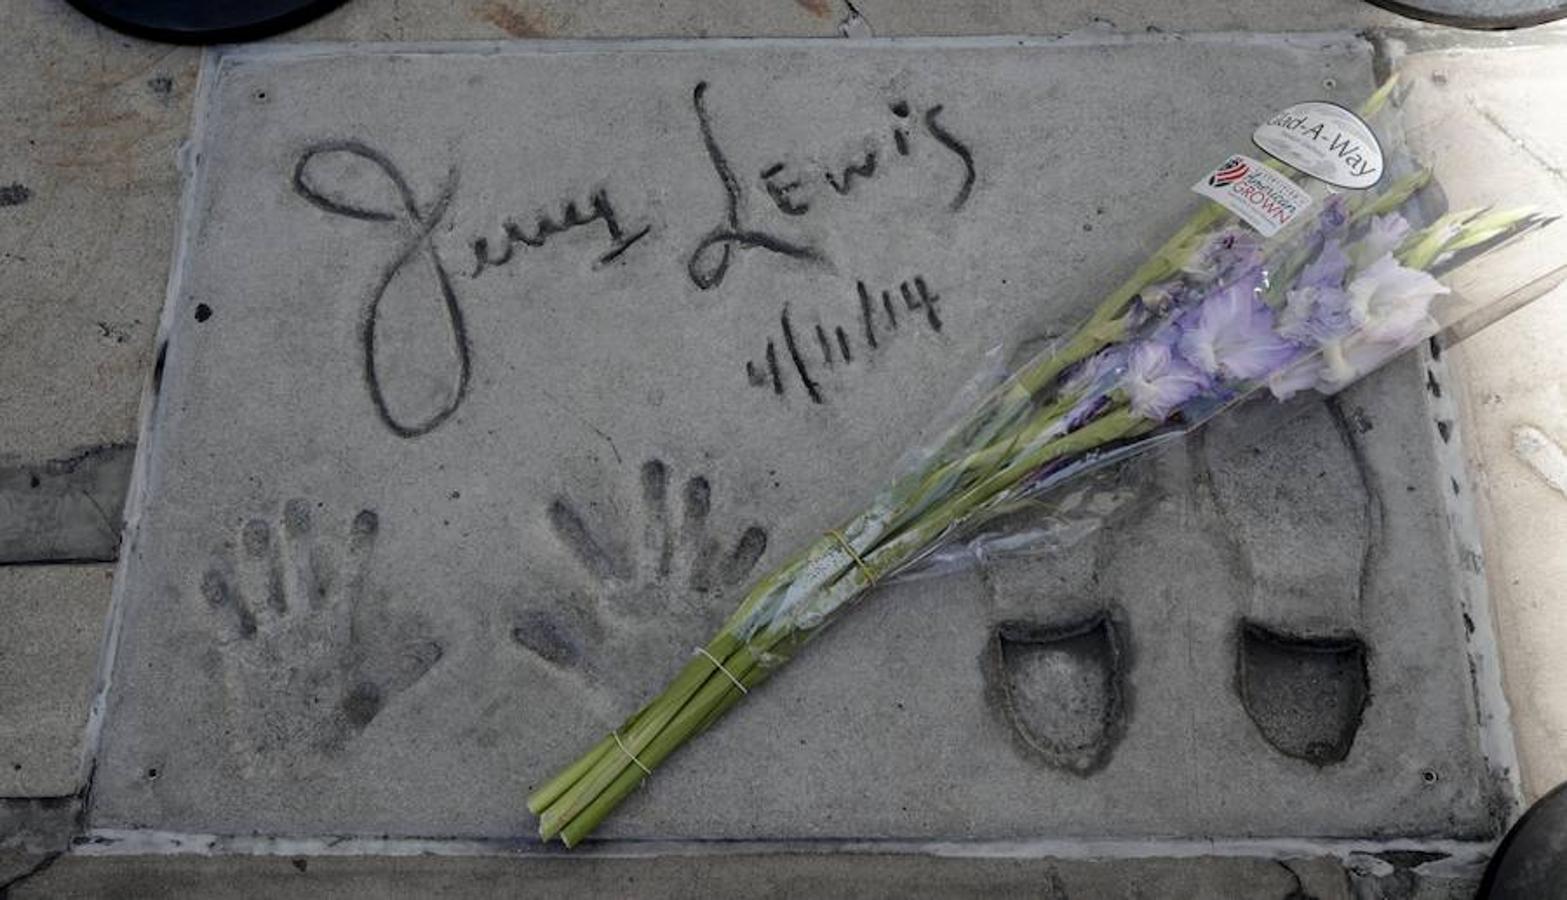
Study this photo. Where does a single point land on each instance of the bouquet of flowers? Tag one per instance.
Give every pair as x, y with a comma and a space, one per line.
1219, 313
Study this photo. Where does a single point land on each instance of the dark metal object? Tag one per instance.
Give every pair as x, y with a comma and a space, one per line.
204, 21
1484, 14
1531, 862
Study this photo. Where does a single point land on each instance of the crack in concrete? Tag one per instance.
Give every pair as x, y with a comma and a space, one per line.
108, 524
32, 871
1496, 122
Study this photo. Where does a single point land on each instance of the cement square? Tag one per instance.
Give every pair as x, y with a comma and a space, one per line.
491, 373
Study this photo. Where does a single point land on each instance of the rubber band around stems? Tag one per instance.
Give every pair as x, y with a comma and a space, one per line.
629, 755
714, 660
870, 574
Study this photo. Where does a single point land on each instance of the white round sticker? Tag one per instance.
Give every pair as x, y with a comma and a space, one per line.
1324, 140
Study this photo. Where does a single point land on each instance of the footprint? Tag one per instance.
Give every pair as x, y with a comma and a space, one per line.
311, 656
666, 572
1061, 689
1294, 503
1306, 695
1297, 509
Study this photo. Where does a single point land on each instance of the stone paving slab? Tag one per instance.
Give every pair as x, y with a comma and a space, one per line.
65, 510
54, 624
1475, 115
492, 375
780, 876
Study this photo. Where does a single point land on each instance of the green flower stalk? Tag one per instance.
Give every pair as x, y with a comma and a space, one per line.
1214, 315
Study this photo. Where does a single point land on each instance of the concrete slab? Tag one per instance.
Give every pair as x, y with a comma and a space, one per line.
830, 876
17, 866
65, 510
87, 169
392, 566
54, 619
1474, 115
38, 826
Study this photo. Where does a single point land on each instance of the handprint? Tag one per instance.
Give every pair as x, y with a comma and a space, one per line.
311, 654
678, 566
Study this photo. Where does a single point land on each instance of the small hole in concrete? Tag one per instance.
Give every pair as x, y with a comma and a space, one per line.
203, 312
1329, 84
260, 96
152, 774
1430, 776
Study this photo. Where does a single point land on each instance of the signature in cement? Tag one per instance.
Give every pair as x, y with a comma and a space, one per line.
791, 189
331, 176
349, 178
878, 318
600, 209
790, 193
416, 261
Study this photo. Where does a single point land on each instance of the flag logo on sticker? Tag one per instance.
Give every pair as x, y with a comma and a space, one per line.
1233, 170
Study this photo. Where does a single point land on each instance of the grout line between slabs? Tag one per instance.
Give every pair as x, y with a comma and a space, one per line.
193, 177
1456, 857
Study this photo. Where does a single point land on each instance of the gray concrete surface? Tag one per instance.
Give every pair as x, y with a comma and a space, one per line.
54, 619
65, 510
846, 876
1474, 114
354, 590
85, 236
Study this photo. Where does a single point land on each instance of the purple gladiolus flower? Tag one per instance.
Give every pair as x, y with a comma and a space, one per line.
1292, 379
1390, 302
1383, 310
1228, 253
1157, 299
1332, 215
1327, 270
1232, 335
1157, 381
1383, 236
1316, 314
1317, 308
